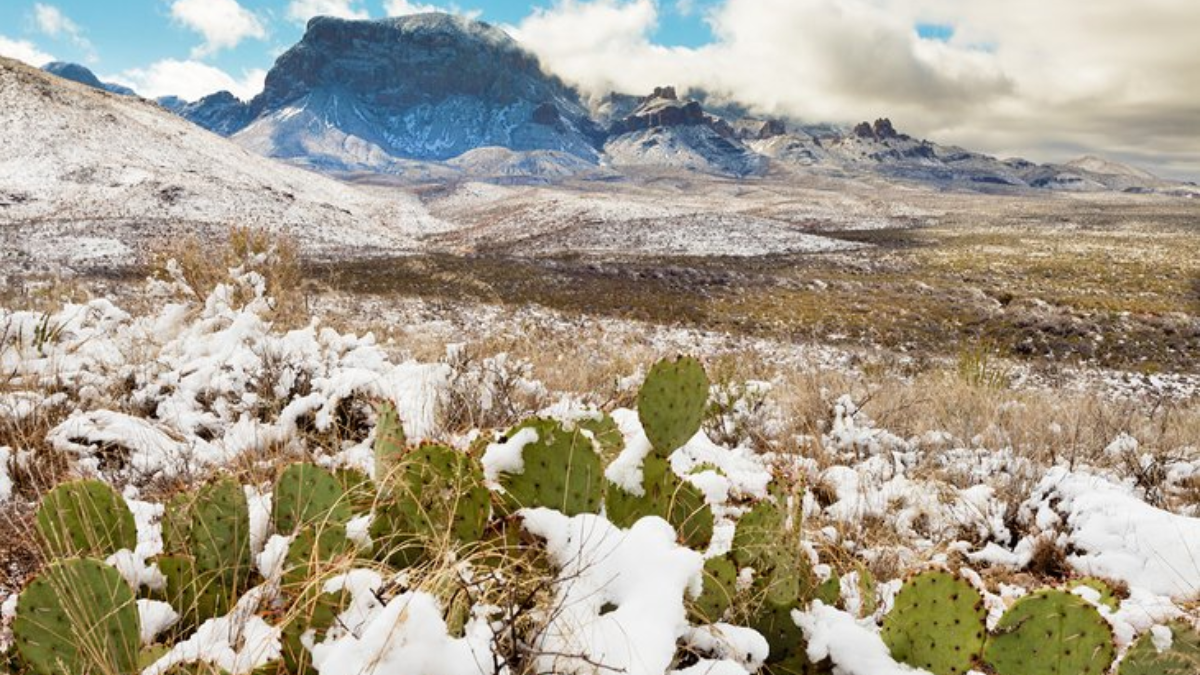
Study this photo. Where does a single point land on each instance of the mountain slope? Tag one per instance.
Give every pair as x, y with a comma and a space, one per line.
358, 94
88, 174
665, 131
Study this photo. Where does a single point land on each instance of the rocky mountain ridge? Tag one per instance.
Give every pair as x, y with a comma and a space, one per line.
420, 96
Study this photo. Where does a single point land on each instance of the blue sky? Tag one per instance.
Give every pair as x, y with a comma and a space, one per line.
115, 37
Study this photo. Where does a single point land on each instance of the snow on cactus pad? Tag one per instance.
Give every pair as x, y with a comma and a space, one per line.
642, 572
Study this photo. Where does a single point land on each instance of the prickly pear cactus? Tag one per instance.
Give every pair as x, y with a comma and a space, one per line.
720, 587
306, 494
606, 433
938, 623
312, 610
757, 533
666, 496
561, 471
85, 518
360, 490
1051, 632
389, 442
672, 402
195, 599
1183, 658
314, 549
78, 616
1108, 596
219, 541
438, 500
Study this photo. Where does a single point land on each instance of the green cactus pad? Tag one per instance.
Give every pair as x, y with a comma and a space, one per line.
938, 623
312, 610
720, 587
389, 442
561, 471
360, 490
306, 494
1183, 658
774, 621
757, 533
176, 522
438, 500
1051, 632
1108, 597
672, 402
867, 591
666, 496
313, 550
219, 540
85, 518
78, 616
609, 439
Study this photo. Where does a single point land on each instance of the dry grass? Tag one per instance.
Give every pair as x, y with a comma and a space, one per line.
201, 265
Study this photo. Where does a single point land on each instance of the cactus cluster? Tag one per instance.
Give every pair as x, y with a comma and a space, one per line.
80, 616
938, 624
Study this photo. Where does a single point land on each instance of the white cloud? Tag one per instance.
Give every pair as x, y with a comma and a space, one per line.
24, 50
52, 22
404, 8
303, 10
1019, 77
223, 23
189, 80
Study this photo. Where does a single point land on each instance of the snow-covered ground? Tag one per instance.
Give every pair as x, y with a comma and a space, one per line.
187, 390
88, 177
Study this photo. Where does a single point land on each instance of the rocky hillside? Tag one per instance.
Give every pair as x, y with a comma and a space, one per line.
90, 176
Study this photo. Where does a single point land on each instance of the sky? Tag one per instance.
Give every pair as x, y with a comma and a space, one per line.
1044, 80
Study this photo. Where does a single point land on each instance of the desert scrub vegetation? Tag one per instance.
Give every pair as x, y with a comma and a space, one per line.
293, 497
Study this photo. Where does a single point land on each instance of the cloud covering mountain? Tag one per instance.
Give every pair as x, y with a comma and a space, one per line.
1019, 77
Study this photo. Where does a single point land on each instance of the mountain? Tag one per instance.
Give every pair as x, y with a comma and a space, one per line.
666, 131
427, 96
356, 95
221, 113
90, 177
80, 74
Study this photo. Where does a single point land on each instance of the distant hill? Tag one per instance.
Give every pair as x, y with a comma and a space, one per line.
87, 175
80, 74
